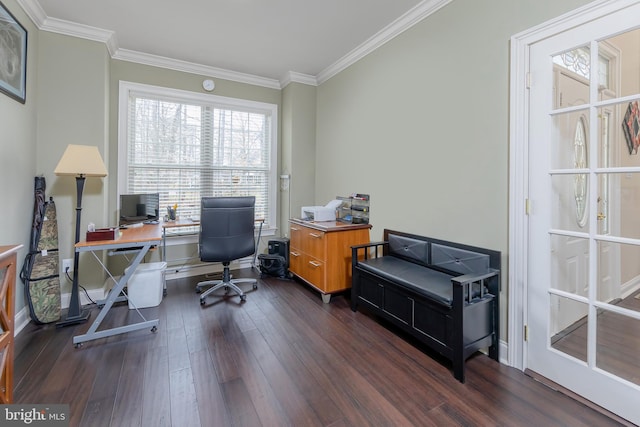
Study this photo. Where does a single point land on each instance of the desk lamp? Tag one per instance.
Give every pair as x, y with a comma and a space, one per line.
80, 161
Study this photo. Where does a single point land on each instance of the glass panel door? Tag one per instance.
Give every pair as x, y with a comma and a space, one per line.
584, 265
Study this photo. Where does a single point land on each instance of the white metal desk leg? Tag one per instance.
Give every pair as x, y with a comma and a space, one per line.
93, 332
255, 252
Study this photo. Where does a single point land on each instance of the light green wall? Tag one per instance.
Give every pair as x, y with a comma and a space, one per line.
421, 124
18, 142
298, 149
73, 109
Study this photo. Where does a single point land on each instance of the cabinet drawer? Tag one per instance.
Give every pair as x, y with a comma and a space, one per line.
307, 268
295, 261
315, 272
295, 234
314, 243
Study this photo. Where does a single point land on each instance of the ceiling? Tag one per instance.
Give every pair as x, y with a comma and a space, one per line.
266, 41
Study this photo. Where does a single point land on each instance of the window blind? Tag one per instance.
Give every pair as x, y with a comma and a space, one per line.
189, 150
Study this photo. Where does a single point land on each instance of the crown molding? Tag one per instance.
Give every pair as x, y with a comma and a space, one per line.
73, 29
190, 67
293, 77
422, 10
397, 27
33, 10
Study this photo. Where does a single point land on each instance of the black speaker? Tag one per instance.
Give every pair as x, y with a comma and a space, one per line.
279, 246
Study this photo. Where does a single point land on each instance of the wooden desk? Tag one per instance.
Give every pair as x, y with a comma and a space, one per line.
137, 240
176, 225
7, 307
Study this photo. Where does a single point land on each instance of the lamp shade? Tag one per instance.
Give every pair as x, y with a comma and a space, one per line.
81, 160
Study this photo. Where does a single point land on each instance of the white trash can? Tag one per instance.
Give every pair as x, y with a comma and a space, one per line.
146, 285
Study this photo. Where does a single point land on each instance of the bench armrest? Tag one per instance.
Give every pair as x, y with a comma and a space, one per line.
367, 250
371, 244
467, 280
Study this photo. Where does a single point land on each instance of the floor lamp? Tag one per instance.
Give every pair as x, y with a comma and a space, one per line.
80, 161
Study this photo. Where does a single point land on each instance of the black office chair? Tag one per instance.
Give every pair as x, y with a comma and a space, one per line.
226, 234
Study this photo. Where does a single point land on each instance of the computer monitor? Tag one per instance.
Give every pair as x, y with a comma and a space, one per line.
139, 208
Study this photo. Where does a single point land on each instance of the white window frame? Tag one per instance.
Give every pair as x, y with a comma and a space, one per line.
127, 88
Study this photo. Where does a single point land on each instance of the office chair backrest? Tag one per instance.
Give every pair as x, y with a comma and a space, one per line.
226, 228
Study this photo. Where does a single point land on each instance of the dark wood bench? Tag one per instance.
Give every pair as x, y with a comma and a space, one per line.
443, 293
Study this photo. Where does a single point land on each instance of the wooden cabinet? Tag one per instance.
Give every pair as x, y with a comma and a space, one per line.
320, 253
7, 308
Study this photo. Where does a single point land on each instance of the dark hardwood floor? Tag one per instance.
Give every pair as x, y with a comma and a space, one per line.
282, 358
618, 339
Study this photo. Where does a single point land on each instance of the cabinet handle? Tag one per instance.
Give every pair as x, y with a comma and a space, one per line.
294, 253
317, 236
294, 229
315, 264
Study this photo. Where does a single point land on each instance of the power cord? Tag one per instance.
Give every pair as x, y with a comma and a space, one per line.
66, 273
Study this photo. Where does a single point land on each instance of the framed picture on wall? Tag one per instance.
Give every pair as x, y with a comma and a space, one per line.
13, 56
631, 127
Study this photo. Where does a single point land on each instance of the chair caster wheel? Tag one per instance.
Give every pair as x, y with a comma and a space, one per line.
78, 345
243, 298
154, 329
198, 291
255, 287
201, 301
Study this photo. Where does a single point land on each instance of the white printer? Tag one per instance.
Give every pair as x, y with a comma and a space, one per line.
320, 213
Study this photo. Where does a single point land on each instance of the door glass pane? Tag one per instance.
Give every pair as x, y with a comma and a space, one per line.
619, 274
570, 202
572, 70
570, 140
615, 147
619, 204
626, 47
618, 344
570, 264
569, 326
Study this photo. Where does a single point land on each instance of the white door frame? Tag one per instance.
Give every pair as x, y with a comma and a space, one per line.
519, 163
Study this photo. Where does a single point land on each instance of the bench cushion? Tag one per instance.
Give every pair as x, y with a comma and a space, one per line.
410, 249
431, 283
459, 260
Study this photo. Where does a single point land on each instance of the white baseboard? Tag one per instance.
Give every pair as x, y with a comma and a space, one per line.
504, 351
179, 272
20, 320
630, 287
23, 317
94, 294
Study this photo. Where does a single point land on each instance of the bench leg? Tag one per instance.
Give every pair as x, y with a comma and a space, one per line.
458, 367
493, 350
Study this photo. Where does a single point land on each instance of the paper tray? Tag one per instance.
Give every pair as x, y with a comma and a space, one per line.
102, 234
